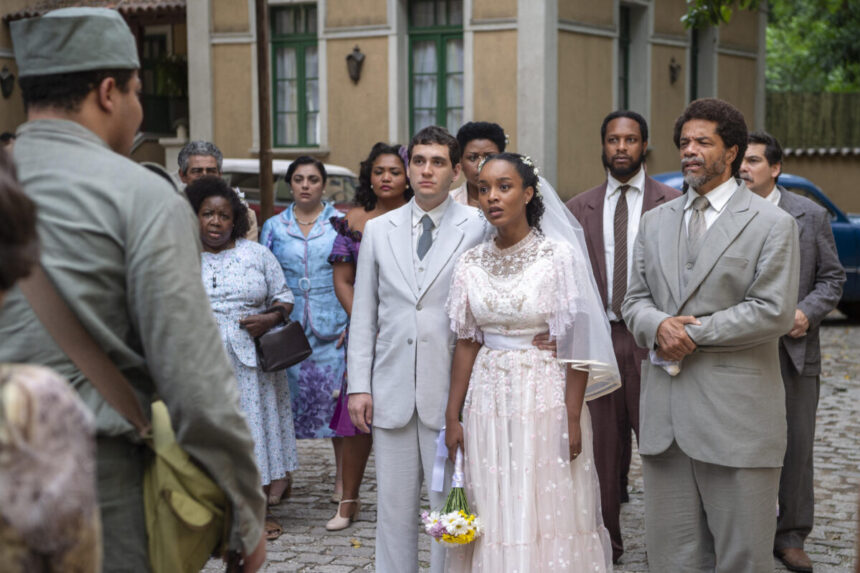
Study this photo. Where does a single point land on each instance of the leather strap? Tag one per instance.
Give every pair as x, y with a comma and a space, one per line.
71, 336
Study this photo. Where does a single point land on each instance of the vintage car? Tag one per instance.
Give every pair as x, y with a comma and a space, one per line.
340, 186
846, 231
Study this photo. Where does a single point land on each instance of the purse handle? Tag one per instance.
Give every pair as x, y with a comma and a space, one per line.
73, 339
278, 308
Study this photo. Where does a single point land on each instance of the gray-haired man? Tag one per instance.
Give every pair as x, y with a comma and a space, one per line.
203, 158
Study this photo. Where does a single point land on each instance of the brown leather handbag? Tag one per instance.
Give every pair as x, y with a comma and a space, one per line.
283, 346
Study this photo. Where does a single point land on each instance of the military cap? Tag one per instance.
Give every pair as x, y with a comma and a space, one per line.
73, 40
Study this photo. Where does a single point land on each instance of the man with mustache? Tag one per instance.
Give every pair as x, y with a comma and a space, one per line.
821, 280
609, 214
713, 287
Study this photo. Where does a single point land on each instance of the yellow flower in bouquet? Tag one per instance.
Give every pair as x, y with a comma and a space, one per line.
454, 524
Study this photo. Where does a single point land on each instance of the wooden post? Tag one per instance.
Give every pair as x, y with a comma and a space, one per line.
267, 200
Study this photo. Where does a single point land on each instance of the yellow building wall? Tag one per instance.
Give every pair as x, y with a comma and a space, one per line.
736, 84
667, 102
232, 96
496, 80
830, 173
348, 13
667, 17
741, 32
488, 9
12, 109
582, 105
229, 16
357, 113
601, 13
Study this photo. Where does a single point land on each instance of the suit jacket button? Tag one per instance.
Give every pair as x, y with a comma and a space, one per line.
419, 307
409, 341
689, 266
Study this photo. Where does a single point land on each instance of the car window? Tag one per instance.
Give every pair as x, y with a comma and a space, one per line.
812, 197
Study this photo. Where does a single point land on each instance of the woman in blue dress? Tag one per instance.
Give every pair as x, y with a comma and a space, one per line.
301, 238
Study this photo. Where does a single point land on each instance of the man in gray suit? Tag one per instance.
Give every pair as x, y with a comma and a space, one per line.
821, 280
713, 287
401, 343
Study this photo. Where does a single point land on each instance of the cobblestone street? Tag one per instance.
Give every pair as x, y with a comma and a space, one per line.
307, 546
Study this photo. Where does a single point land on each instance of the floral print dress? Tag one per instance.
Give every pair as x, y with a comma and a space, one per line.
241, 281
315, 382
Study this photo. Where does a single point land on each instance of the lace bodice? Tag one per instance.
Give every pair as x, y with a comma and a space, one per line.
522, 290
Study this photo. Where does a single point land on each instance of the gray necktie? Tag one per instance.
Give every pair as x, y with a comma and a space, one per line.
426, 238
696, 227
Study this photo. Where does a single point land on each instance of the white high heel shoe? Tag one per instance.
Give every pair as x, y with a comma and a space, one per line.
339, 522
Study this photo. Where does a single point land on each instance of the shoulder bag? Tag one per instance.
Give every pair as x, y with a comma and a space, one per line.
187, 513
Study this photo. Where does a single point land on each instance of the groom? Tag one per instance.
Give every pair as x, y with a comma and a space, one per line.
401, 343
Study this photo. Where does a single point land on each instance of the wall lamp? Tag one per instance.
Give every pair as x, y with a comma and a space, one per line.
354, 61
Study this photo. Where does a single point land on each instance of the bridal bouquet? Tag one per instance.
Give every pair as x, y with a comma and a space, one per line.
454, 524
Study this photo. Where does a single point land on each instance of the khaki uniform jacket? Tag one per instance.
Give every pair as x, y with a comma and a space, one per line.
123, 250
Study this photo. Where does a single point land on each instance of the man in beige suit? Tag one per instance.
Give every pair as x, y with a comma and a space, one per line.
713, 287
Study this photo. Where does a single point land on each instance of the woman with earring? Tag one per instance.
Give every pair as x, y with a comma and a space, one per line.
244, 283
529, 466
383, 186
301, 238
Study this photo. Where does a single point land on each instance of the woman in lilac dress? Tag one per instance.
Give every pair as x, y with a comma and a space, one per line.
383, 186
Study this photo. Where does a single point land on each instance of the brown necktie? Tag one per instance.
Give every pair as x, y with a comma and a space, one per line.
619, 273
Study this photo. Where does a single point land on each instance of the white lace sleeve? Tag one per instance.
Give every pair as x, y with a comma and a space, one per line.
462, 320
569, 281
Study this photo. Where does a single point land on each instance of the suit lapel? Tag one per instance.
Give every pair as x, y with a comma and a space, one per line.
789, 205
671, 233
725, 229
400, 240
449, 237
593, 226
653, 195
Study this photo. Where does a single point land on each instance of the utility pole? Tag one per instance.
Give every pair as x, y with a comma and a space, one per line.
267, 200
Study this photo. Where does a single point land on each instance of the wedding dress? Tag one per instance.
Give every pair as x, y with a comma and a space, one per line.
541, 512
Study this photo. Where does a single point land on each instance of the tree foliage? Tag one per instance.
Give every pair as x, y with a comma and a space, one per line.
705, 13
812, 45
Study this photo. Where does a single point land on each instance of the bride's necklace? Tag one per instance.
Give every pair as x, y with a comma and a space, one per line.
311, 222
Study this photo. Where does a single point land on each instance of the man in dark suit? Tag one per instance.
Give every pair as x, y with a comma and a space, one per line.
821, 280
610, 225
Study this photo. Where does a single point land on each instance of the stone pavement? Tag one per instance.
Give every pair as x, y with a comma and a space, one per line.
307, 546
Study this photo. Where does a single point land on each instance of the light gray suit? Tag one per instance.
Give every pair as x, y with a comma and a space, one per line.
821, 280
400, 351
713, 437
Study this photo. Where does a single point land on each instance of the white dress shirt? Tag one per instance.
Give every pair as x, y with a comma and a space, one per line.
634, 196
774, 196
436, 215
717, 200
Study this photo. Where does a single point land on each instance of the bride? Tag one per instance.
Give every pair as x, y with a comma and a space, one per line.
526, 437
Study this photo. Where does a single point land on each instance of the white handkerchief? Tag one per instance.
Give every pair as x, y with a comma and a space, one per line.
673, 368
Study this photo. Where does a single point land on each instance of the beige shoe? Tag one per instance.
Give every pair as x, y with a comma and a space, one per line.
336, 497
339, 522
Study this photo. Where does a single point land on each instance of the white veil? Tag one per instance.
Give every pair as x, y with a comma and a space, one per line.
587, 343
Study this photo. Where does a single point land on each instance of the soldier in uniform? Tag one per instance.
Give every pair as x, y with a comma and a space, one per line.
122, 249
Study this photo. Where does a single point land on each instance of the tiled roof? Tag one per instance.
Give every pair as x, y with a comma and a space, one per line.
125, 7
823, 151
